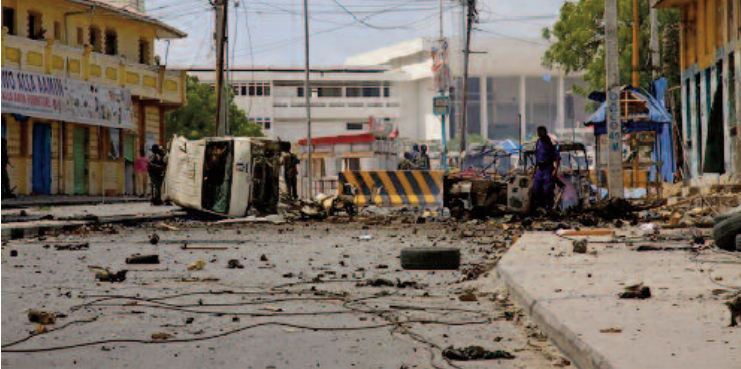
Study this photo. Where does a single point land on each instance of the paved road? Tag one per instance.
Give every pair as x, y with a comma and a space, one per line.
307, 278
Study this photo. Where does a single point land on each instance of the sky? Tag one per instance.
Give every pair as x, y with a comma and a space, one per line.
270, 32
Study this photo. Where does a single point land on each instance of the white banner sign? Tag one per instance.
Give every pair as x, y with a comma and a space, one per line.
58, 98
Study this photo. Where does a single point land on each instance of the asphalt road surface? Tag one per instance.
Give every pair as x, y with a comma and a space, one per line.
298, 302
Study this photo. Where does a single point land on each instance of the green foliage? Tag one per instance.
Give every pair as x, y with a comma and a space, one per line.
196, 119
577, 42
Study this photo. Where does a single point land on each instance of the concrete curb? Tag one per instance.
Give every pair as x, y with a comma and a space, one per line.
577, 350
32, 229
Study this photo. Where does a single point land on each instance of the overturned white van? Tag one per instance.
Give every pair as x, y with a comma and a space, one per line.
224, 175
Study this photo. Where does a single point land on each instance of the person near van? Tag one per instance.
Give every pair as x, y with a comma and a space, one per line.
141, 167
290, 174
547, 161
423, 162
157, 167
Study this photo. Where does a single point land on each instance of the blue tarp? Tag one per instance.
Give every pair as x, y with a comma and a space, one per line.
659, 120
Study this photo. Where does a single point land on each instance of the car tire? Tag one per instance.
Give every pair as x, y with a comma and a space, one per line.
430, 258
725, 232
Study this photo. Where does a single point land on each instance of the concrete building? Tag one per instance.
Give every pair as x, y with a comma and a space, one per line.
710, 60
81, 94
343, 99
506, 81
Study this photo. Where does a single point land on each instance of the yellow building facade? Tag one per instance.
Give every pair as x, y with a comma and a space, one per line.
53, 51
710, 58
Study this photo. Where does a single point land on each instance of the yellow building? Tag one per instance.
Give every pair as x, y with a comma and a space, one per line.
710, 58
82, 93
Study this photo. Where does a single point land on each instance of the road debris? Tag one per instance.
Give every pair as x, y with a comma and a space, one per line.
185, 246
734, 306
72, 247
611, 330
475, 353
154, 238
143, 259
468, 296
106, 275
580, 246
234, 264
167, 227
13, 253
197, 265
161, 336
41, 317
636, 291
430, 258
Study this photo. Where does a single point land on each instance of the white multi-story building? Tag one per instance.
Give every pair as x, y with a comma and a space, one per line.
394, 85
507, 80
343, 99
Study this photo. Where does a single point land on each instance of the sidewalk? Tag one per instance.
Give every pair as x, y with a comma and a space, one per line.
572, 297
57, 200
31, 222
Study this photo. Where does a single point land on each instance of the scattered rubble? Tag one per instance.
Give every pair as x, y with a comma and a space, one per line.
580, 246
72, 247
106, 275
734, 306
636, 291
143, 259
475, 353
611, 330
41, 317
197, 265
234, 264
161, 336
154, 238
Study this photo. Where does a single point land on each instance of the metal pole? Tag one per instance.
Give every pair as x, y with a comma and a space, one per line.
466, 52
221, 12
635, 75
441, 18
444, 152
654, 43
307, 96
612, 116
519, 137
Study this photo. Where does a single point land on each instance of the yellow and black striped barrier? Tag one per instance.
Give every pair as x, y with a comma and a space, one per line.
395, 187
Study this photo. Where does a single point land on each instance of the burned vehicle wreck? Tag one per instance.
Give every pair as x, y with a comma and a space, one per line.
225, 176
487, 184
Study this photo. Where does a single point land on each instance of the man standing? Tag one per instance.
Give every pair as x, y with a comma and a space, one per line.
290, 174
156, 168
141, 167
547, 161
424, 159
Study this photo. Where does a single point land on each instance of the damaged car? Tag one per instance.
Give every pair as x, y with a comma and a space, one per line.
226, 176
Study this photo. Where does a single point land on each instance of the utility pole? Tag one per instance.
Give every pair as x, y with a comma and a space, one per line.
654, 42
307, 96
470, 17
220, 8
612, 104
635, 75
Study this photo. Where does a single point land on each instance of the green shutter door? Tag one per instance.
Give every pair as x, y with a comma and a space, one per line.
80, 175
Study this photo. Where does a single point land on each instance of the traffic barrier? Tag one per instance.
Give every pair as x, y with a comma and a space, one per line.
421, 188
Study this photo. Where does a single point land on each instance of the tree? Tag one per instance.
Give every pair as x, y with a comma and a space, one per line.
578, 38
196, 119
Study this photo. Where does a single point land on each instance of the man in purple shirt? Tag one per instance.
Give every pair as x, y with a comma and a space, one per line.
547, 161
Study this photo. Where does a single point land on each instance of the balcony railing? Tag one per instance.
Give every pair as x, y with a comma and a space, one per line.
51, 57
350, 102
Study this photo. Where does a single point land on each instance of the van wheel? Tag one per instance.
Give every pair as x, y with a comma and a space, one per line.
430, 258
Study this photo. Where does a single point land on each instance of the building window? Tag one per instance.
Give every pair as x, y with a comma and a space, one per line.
80, 36
9, 20
243, 90
354, 126
386, 91
266, 123
371, 92
352, 164
111, 42
96, 40
35, 30
144, 54
266, 89
353, 92
329, 91
235, 90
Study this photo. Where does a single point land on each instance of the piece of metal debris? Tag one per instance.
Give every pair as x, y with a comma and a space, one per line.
143, 259
475, 353
41, 317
